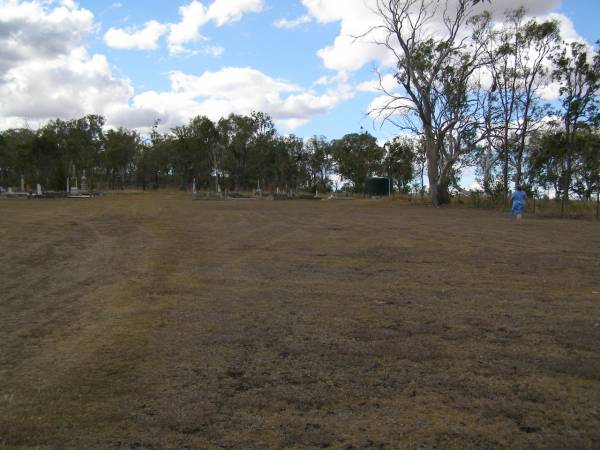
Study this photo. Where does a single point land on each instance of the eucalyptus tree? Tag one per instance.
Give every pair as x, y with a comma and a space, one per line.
399, 161
262, 148
237, 132
294, 168
182, 154
121, 148
15, 155
319, 162
156, 156
357, 156
206, 154
547, 152
85, 140
549, 155
578, 72
586, 173
437, 48
46, 160
519, 53
193, 150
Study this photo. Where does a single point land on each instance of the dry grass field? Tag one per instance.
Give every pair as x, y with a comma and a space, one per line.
152, 321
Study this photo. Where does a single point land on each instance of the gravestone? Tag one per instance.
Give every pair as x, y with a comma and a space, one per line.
84, 186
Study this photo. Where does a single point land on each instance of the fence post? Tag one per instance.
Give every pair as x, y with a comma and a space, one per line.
534, 204
598, 204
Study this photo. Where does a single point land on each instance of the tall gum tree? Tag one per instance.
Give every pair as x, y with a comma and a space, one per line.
437, 50
578, 72
518, 53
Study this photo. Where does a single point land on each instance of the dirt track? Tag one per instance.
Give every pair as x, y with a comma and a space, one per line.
151, 321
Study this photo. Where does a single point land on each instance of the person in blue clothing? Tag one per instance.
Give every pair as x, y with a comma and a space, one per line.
519, 201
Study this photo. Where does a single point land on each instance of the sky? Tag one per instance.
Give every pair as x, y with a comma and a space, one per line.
136, 61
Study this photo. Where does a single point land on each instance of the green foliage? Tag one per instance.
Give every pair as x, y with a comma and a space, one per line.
548, 159
357, 157
399, 162
319, 159
238, 152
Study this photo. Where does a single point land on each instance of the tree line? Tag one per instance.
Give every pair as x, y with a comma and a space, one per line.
240, 152
244, 152
471, 95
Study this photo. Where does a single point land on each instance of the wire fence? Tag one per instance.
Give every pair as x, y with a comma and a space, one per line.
537, 206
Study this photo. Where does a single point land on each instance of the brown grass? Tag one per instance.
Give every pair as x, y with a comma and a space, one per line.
151, 321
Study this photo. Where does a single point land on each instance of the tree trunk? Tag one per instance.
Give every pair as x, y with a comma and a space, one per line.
505, 172
566, 184
570, 134
519, 171
438, 183
439, 190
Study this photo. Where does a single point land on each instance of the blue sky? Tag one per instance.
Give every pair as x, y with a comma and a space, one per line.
284, 70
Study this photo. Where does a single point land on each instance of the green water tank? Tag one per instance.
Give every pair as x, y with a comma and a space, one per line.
377, 186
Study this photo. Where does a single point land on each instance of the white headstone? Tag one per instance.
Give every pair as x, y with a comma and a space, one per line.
84, 187
38, 189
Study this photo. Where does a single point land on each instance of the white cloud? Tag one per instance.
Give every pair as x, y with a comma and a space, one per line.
347, 52
193, 17
33, 30
293, 23
238, 90
229, 82
142, 39
550, 92
225, 11
385, 105
566, 26
340, 77
48, 73
68, 86
351, 51
387, 82
71, 4
45, 70
213, 50
326, 11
